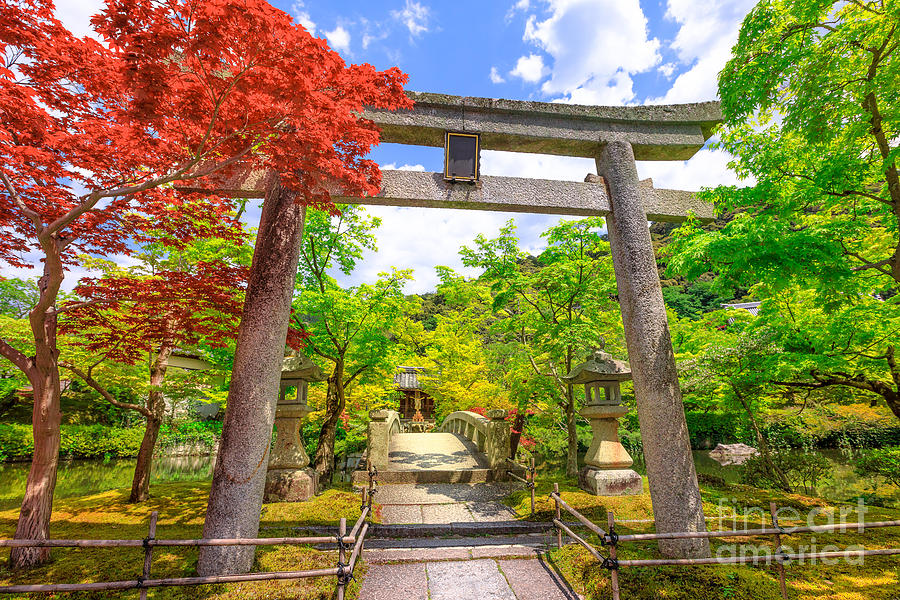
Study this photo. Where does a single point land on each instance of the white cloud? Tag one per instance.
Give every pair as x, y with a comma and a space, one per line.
520, 6
495, 76
707, 168
302, 16
394, 167
339, 39
709, 29
529, 68
414, 16
667, 70
596, 46
76, 15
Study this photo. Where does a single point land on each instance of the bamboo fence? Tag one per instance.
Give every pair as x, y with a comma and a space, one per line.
612, 540
343, 571
528, 480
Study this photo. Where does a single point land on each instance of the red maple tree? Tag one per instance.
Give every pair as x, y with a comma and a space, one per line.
127, 319
92, 133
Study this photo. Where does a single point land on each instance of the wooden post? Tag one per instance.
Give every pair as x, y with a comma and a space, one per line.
148, 552
779, 565
532, 486
558, 517
614, 572
342, 531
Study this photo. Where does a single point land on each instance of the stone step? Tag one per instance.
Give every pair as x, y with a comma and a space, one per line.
482, 528
445, 553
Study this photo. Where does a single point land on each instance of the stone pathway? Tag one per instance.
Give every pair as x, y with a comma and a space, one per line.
434, 451
443, 502
481, 579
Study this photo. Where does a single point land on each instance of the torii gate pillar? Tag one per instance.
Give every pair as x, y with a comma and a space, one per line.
667, 451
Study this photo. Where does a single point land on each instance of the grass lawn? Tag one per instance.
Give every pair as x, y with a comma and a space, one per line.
181, 507
877, 579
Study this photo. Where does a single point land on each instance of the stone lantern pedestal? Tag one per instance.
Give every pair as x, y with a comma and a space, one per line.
288, 477
606, 470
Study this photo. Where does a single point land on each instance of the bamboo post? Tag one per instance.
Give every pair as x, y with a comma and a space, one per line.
558, 516
778, 562
342, 531
148, 552
532, 486
614, 570
371, 491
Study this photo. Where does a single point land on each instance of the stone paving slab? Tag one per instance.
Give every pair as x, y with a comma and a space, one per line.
535, 580
446, 513
392, 582
434, 451
469, 580
490, 511
401, 513
441, 493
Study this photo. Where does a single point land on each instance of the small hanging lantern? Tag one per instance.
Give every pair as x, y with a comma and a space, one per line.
461, 156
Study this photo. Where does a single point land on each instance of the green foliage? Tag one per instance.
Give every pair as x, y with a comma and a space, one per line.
17, 296
99, 441
691, 301
812, 119
883, 463
707, 429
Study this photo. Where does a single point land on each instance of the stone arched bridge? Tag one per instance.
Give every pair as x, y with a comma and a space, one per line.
467, 448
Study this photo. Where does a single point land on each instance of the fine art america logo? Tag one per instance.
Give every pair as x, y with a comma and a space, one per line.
830, 522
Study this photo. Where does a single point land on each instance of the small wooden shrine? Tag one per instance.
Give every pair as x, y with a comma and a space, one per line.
415, 404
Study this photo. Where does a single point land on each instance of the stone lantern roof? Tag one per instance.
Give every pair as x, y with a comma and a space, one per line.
600, 367
298, 367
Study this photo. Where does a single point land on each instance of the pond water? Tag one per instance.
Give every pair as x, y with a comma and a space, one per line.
842, 485
80, 477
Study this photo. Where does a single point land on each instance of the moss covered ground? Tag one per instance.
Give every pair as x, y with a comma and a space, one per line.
878, 578
181, 508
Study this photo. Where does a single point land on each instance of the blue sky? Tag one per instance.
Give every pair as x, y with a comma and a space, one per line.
606, 52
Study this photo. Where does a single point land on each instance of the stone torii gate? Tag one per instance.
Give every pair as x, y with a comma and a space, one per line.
615, 137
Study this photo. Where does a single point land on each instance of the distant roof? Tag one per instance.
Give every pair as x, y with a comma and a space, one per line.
408, 378
751, 307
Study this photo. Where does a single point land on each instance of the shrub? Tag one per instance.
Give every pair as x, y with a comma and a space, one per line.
884, 463
100, 441
802, 469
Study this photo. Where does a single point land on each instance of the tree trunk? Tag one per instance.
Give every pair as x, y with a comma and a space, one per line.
334, 406
156, 403
235, 500
763, 444
677, 505
516, 434
572, 454
34, 517
43, 373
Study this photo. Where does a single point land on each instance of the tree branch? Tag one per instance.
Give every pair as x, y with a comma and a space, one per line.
88, 379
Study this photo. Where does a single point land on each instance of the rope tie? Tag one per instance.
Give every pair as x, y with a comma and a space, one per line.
610, 563
610, 539
344, 576
341, 544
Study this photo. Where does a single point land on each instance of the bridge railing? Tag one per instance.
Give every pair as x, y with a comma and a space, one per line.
489, 433
383, 424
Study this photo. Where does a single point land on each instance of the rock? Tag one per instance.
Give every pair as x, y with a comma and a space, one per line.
732, 454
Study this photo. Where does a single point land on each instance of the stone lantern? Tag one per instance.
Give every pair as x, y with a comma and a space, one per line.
606, 471
288, 478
